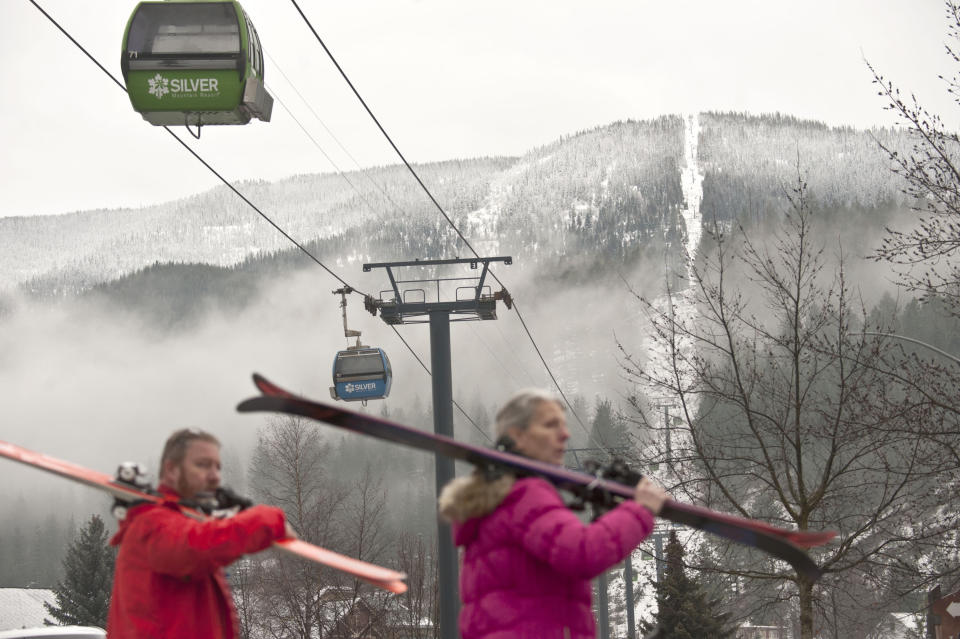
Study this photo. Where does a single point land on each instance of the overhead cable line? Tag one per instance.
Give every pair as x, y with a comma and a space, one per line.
382, 130
915, 341
234, 189
344, 175
493, 354
439, 208
356, 163
515, 358
374, 212
192, 152
339, 171
360, 193
420, 361
257, 209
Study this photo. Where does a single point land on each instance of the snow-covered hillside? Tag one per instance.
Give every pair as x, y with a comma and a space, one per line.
602, 197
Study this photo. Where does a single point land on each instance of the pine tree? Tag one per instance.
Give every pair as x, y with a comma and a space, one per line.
83, 595
609, 429
683, 611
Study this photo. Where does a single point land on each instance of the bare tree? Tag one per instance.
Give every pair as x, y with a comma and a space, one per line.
366, 517
347, 509
927, 256
788, 415
416, 557
243, 583
931, 173
289, 470
369, 540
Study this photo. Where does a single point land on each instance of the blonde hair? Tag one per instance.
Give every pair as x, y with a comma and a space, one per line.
520, 408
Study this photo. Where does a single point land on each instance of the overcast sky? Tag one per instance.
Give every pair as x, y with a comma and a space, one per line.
447, 79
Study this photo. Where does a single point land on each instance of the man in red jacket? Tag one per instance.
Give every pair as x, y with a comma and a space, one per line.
168, 580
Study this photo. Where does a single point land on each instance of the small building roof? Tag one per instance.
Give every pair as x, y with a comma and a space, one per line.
908, 619
23, 607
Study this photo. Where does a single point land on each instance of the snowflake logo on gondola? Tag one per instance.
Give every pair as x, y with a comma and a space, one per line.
159, 86
349, 388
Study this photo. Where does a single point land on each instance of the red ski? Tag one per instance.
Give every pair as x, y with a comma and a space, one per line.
782, 543
378, 576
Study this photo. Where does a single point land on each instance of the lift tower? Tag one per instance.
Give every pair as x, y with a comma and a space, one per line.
451, 299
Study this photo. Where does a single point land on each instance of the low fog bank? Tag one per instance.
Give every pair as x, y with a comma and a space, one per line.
98, 387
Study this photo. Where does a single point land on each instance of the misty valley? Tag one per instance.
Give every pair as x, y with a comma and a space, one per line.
709, 292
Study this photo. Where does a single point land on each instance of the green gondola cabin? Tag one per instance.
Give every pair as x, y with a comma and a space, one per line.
194, 63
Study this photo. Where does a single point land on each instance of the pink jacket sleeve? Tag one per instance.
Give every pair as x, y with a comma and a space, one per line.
179, 546
553, 534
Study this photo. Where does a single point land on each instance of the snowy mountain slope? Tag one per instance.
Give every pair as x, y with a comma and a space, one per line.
598, 198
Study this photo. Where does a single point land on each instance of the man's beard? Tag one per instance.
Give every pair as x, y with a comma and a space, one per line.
184, 490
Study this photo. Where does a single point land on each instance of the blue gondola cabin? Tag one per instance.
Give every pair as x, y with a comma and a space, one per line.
360, 374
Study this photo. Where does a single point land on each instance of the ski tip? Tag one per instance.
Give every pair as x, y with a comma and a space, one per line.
268, 388
248, 406
396, 587
808, 539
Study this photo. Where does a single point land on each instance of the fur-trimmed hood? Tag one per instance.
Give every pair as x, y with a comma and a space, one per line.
473, 496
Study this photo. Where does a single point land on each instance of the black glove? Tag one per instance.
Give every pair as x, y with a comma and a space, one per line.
226, 499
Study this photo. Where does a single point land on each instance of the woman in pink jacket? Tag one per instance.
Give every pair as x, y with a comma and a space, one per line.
528, 560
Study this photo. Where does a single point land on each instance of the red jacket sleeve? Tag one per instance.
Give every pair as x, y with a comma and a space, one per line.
177, 545
553, 534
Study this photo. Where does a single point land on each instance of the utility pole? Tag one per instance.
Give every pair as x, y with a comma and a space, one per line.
658, 545
603, 606
397, 307
603, 611
667, 405
628, 595
666, 424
